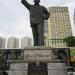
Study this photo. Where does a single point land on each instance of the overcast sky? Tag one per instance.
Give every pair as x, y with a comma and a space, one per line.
14, 17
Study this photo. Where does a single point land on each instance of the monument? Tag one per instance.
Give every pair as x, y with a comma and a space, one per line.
38, 14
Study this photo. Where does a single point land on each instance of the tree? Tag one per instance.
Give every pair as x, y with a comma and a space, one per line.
3, 64
70, 41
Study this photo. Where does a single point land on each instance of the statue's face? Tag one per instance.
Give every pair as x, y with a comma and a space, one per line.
37, 1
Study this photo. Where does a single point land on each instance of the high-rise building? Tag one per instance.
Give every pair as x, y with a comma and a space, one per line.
2, 42
26, 42
13, 42
59, 27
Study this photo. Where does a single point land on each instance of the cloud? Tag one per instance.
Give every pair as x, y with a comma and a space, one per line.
14, 17
71, 3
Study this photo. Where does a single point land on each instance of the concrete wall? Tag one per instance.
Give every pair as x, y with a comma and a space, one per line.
18, 69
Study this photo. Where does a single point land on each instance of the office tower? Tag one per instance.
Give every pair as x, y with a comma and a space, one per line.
2, 42
59, 26
26, 42
13, 42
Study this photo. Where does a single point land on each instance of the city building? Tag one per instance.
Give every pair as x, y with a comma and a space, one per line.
59, 27
13, 42
2, 42
26, 42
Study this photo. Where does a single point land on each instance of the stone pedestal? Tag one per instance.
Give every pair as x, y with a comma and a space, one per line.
18, 69
39, 63
34, 69
57, 69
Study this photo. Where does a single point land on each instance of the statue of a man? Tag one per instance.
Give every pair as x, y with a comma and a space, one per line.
38, 14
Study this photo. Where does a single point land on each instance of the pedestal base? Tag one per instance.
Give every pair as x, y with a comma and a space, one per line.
34, 69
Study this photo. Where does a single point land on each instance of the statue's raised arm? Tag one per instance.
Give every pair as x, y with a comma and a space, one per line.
26, 4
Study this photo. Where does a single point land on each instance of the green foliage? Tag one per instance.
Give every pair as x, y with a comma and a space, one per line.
3, 64
72, 52
70, 41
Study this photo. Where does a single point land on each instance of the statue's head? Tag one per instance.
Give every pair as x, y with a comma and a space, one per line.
37, 1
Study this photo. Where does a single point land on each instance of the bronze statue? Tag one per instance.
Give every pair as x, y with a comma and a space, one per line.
38, 14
